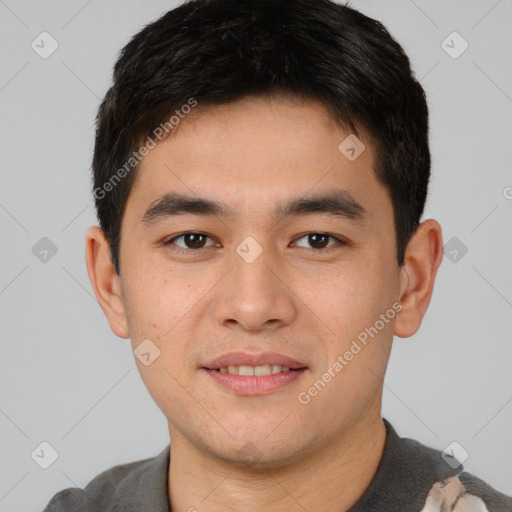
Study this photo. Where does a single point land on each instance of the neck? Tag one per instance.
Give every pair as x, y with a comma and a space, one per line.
333, 478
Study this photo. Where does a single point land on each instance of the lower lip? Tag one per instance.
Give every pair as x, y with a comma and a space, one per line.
254, 385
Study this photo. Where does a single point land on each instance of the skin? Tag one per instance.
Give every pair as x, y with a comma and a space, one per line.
295, 298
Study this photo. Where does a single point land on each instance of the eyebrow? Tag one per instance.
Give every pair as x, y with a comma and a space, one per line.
334, 202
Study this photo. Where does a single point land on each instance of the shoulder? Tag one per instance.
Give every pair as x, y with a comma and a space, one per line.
495, 500
466, 493
137, 485
413, 477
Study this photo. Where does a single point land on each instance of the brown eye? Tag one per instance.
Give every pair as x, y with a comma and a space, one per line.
192, 241
319, 241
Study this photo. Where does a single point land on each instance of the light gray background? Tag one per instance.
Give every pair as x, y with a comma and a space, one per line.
66, 379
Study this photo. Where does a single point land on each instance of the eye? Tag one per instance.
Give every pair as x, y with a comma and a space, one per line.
320, 240
191, 241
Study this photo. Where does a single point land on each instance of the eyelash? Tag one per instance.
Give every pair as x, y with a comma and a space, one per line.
187, 252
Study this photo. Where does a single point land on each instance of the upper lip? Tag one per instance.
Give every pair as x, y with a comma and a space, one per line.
246, 359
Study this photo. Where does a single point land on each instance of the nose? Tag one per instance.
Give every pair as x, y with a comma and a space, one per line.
255, 295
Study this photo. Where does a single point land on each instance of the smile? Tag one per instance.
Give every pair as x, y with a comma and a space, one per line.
244, 370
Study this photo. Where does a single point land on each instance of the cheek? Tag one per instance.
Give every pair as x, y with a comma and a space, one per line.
162, 380
157, 300
348, 298
161, 306
352, 302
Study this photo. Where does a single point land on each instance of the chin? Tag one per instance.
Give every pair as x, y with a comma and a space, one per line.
263, 455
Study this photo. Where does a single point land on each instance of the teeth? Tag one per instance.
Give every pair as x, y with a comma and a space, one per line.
246, 370
262, 370
243, 370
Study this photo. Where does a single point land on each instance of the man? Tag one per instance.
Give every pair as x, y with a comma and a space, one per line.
260, 171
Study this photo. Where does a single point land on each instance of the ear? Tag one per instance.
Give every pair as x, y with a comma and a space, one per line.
423, 256
105, 281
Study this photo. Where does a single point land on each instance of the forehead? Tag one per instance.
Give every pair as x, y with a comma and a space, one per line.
254, 150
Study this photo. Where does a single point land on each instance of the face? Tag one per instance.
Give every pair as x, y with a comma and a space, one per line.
266, 265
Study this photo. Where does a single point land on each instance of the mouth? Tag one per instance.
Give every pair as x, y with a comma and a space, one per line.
254, 374
258, 371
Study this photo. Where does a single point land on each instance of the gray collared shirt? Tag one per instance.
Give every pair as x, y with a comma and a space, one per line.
411, 477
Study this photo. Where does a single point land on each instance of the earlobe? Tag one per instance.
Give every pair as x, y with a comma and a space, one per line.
417, 276
105, 281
